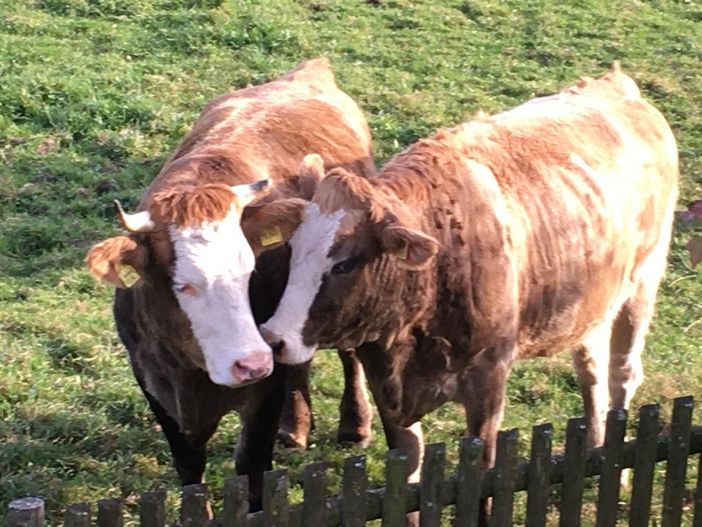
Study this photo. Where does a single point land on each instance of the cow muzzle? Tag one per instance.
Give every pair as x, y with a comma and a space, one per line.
253, 367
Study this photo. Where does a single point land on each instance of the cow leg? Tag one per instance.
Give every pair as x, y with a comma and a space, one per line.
189, 452
297, 420
628, 340
591, 361
355, 413
259, 420
483, 391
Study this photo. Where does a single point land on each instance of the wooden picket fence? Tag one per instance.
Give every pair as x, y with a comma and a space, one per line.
357, 504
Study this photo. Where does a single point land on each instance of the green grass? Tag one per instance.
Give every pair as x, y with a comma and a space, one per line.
96, 93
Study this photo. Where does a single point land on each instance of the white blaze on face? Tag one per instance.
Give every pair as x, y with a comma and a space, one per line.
310, 245
213, 263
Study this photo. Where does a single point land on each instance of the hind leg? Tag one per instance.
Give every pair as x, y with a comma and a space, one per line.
628, 341
591, 362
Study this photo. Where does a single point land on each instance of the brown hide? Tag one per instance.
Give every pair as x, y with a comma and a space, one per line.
550, 220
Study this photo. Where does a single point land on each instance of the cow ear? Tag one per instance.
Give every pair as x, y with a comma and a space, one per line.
269, 225
311, 172
412, 248
118, 261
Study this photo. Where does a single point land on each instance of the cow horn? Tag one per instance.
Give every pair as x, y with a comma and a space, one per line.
139, 222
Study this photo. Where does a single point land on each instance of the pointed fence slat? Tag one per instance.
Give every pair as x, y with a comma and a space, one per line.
469, 482
432, 485
109, 512
78, 515
610, 475
539, 475
394, 500
504, 475
644, 464
275, 498
574, 465
314, 506
25, 512
678, 448
236, 502
355, 485
152, 509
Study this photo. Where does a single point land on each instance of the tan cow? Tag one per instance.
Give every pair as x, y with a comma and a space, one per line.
187, 321
541, 229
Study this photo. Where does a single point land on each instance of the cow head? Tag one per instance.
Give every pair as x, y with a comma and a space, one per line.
195, 234
349, 245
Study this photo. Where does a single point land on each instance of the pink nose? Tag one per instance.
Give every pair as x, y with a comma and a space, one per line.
255, 366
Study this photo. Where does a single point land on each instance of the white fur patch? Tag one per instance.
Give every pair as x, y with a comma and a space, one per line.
217, 261
310, 245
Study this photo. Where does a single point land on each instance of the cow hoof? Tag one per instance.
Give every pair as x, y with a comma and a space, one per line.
291, 441
354, 439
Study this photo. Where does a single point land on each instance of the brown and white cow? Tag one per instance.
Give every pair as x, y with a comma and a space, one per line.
541, 229
187, 321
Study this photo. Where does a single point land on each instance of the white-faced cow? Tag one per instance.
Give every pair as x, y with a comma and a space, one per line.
541, 229
187, 322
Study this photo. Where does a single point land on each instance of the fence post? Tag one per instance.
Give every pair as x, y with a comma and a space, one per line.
394, 507
152, 509
236, 501
194, 508
25, 512
538, 486
353, 501
431, 484
610, 474
77, 515
676, 467
314, 504
469, 482
644, 464
574, 466
275, 498
503, 483
109, 512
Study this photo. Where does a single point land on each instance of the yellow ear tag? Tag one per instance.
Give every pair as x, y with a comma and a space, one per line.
129, 275
271, 236
401, 253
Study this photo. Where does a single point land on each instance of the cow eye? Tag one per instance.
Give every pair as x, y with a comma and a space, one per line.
185, 289
346, 266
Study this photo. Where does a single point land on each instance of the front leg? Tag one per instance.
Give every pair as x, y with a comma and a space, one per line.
355, 413
483, 392
297, 420
254, 452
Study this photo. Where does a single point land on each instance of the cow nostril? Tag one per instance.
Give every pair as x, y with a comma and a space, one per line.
278, 347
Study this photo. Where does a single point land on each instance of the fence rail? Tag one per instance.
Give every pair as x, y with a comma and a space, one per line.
357, 504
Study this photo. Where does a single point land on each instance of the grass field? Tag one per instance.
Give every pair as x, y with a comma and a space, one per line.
94, 94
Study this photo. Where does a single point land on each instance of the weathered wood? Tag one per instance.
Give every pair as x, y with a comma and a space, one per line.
676, 467
25, 512
355, 485
539, 475
394, 507
610, 475
235, 501
275, 498
78, 515
109, 512
152, 509
574, 466
431, 485
469, 482
697, 519
644, 463
504, 474
194, 508
314, 506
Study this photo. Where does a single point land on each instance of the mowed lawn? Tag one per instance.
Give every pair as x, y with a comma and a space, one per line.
94, 94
